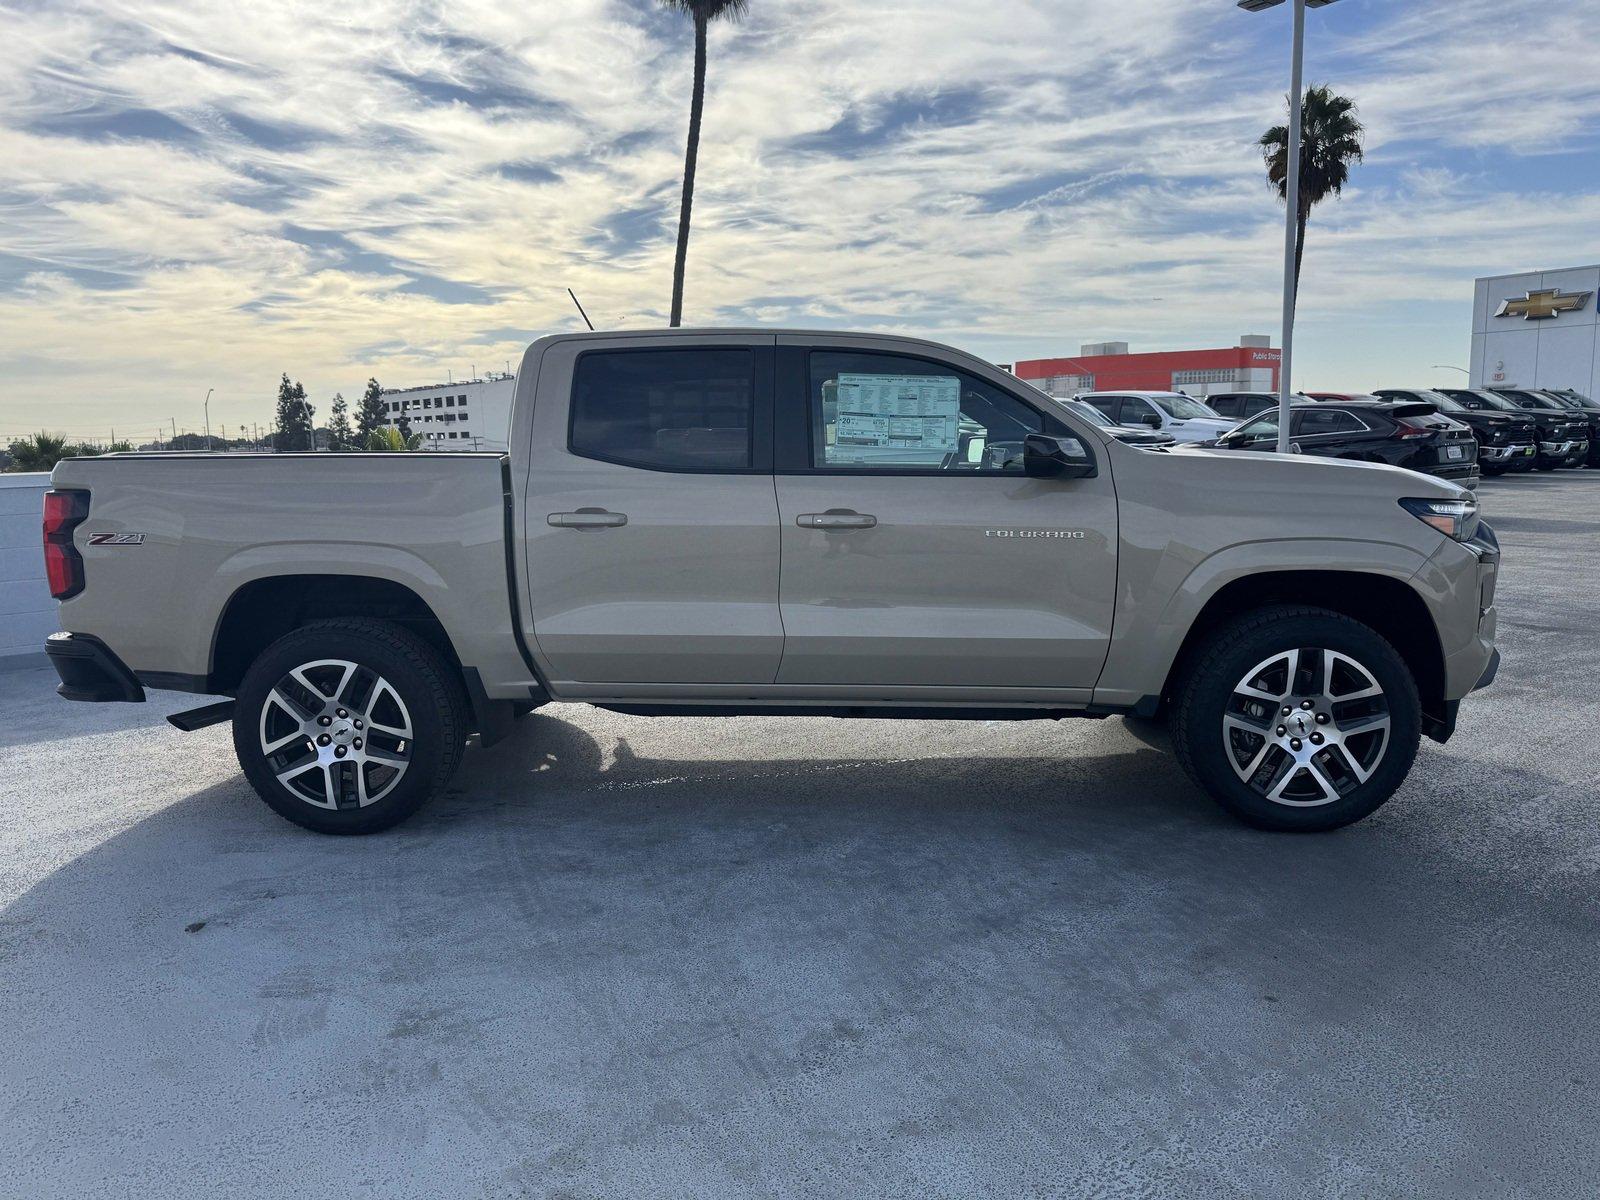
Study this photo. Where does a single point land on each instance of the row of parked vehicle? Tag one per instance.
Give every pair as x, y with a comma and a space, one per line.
1458, 434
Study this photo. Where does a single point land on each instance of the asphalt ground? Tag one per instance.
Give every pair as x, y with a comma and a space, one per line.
628, 957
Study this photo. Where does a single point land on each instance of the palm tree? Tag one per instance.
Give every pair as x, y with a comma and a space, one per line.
1330, 141
703, 12
41, 452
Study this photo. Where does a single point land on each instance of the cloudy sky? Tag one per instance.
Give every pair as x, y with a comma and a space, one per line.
205, 195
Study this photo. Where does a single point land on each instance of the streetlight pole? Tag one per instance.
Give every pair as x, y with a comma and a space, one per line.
1291, 197
1451, 367
208, 417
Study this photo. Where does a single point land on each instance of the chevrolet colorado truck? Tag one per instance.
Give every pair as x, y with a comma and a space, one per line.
781, 523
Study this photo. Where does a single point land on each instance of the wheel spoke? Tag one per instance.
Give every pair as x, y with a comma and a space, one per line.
1247, 688
358, 692
1367, 724
1329, 792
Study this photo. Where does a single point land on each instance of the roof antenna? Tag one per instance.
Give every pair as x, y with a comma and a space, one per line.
581, 313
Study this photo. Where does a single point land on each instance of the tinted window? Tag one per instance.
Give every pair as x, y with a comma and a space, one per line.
1228, 406
1312, 421
1106, 404
682, 409
1137, 413
887, 412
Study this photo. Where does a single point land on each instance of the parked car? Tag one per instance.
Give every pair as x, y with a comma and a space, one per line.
706, 524
1184, 417
1241, 406
1145, 437
1563, 436
1506, 441
1346, 397
1578, 402
1402, 434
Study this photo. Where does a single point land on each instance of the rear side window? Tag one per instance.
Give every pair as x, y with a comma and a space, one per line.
1227, 406
1106, 404
1322, 420
681, 410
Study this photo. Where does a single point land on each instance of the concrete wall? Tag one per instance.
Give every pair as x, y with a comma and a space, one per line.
27, 612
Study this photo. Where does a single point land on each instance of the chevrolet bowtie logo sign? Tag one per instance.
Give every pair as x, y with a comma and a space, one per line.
1541, 306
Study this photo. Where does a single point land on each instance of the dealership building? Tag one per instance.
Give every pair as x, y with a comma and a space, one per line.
1537, 329
468, 414
1251, 366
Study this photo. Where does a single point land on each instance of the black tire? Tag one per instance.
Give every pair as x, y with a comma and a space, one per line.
434, 708
1220, 663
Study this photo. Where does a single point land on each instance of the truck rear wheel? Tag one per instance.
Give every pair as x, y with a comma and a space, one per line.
1297, 719
349, 726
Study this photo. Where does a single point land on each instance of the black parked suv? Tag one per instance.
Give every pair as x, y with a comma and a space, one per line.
1506, 441
1402, 434
1578, 402
1563, 435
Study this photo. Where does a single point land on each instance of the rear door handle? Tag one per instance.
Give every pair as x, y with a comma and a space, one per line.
836, 518
587, 518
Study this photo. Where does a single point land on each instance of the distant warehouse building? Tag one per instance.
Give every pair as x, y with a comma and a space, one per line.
1537, 329
469, 414
1251, 366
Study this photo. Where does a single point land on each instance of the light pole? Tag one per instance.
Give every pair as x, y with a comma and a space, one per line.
1292, 196
1451, 367
208, 417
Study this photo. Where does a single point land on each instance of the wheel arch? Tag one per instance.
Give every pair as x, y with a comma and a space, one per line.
1383, 602
259, 612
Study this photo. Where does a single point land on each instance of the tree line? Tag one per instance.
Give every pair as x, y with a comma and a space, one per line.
295, 426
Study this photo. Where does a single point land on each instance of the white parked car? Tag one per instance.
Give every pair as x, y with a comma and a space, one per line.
1184, 417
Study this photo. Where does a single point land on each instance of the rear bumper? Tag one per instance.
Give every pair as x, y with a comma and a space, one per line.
89, 670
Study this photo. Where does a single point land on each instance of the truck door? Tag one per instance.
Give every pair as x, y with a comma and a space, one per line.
652, 526
916, 552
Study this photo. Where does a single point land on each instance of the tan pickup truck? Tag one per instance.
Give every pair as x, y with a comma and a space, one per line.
790, 522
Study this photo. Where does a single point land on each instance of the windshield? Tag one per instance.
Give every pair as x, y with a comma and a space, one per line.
1181, 407
1498, 403
1443, 402
1529, 400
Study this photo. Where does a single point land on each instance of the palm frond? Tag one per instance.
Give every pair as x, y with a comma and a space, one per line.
709, 10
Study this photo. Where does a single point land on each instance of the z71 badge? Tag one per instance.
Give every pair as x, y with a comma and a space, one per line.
116, 539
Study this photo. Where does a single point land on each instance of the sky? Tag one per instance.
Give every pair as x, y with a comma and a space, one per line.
199, 196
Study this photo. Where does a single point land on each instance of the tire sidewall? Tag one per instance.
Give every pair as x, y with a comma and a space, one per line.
1211, 686
432, 757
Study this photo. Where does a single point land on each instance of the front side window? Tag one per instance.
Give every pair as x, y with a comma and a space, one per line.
1182, 408
889, 412
687, 410
1262, 429
1138, 412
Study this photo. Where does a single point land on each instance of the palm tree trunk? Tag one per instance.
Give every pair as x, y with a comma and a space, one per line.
690, 157
1299, 255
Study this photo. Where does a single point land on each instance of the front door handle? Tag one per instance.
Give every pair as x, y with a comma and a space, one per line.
587, 518
836, 518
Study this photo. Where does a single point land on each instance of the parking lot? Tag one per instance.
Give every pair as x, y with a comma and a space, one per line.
747, 957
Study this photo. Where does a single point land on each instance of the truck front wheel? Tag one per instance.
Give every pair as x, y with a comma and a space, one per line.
349, 726
1297, 718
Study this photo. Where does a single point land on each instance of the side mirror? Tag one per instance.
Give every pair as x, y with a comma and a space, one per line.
1152, 420
1045, 456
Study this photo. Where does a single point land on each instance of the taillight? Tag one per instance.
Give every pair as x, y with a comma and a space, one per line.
64, 511
1405, 427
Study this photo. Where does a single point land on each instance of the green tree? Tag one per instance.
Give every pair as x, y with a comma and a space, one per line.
385, 438
41, 452
373, 414
702, 12
1330, 142
340, 435
403, 425
294, 425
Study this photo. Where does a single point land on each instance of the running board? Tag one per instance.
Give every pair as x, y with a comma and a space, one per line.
199, 718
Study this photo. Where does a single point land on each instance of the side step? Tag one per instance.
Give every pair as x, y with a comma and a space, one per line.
199, 718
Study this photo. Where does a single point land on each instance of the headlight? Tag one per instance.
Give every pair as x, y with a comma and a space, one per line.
1454, 518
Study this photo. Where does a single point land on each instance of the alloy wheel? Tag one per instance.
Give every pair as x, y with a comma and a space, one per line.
336, 734
1306, 727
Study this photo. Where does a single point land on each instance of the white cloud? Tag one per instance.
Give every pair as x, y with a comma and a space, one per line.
197, 196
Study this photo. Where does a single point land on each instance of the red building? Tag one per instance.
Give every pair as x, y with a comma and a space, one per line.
1251, 366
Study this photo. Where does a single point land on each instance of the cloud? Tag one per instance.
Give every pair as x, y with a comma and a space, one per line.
200, 196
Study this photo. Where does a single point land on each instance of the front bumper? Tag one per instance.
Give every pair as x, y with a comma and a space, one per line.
89, 670
1506, 454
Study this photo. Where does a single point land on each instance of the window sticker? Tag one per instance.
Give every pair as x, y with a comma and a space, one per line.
895, 419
